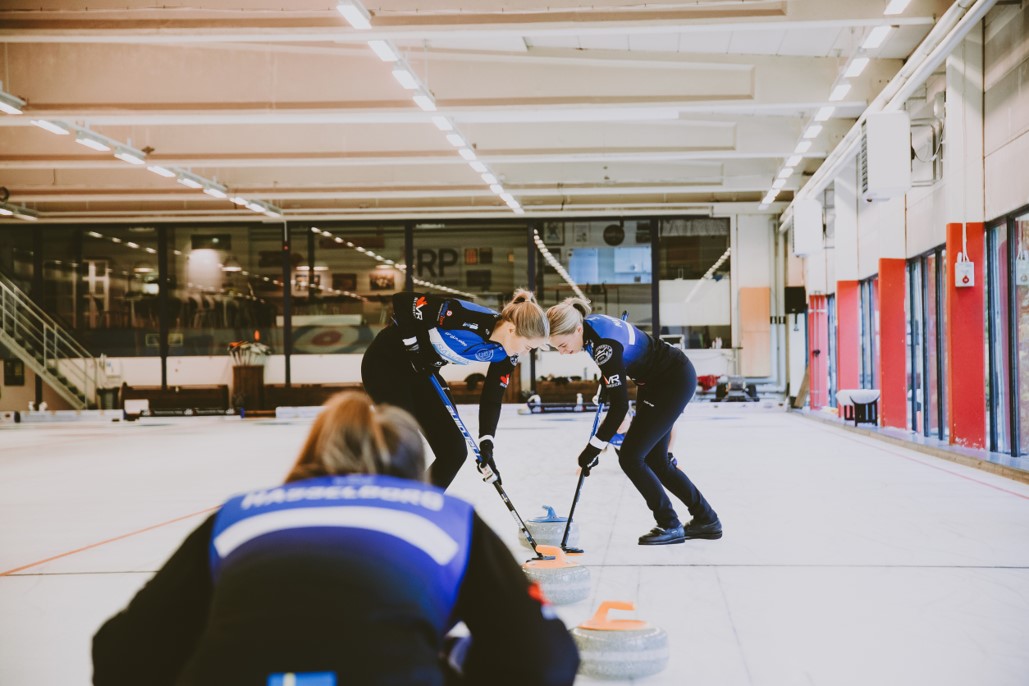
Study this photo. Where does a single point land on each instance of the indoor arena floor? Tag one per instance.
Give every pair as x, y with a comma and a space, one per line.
845, 560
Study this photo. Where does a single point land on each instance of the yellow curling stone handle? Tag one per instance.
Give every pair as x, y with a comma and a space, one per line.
600, 622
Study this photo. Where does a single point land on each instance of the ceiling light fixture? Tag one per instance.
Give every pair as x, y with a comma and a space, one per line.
824, 113
90, 142
802, 147
129, 155
478, 166
405, 78
467, 153
839, 92
813, 131
4, 212
793, 160
160, 171
785, 173
442, 123
876, 37
489, 178
383, 50
355, 13
856, 66
456, 140
216, 192
778, 184
189, 181
52, 126
496, 188
425, 102
896, 7
9, 103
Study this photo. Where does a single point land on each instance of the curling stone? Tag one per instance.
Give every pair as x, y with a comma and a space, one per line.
562, 581
550, 529
619, 648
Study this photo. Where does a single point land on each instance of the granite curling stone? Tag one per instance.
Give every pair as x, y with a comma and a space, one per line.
620, 648
550, 529
561, 581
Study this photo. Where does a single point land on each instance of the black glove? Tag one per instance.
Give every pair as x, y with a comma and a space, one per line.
486, 452
414, 355
589, 458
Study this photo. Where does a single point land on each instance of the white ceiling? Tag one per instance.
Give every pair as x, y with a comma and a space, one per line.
599, 107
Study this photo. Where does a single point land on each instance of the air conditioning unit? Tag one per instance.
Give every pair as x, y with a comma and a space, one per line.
808, 227
884, 161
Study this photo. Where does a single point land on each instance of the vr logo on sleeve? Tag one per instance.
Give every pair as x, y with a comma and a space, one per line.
603, 354
421, 302
614, 380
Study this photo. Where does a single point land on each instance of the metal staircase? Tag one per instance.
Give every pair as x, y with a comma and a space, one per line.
47, 349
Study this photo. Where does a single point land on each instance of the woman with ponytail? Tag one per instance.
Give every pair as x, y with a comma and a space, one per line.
666, 381
430, 331
352, 572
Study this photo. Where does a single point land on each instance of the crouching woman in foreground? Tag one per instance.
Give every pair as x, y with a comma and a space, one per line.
352, 572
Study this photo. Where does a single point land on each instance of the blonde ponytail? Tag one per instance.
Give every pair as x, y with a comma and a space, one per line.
528, 317
567, 316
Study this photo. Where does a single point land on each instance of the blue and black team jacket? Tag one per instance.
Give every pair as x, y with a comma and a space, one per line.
454, 331
338, 580
623, 352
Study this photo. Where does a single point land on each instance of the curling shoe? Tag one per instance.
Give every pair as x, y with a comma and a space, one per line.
710, 530
659, 536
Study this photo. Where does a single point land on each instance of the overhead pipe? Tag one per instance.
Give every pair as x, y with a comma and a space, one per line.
950, 30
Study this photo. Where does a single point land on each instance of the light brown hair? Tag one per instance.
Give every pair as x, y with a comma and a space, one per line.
354, 436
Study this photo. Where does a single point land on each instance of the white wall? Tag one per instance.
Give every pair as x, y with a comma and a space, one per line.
709, 307
1006, 130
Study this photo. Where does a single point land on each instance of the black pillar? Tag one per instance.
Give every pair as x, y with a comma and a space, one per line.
287, 300
37, 288
655, 276
162, 300
409, 256
531, 276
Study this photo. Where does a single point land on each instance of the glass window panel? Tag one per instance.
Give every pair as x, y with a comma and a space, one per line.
225, 285
695, 285
913, 306
343, 280
17, 258
998, 396
1022, 326
932, 333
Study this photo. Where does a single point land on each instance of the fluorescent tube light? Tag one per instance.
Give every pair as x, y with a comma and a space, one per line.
130, 156
813, 131
802, 147
405, 79
189, 183
506, 197
51, 126
778, 183
27, 215
496, 188
6, 212
11, 104
477, 166
355, 13
785, 173
876, 37
839, 92
442, 123
793, 160
83, 139
255, 207
215, 192
518, 210
425, 102
489, 178
161, 171
824, 113
856, 66
384, 51
456, 140
467, 153
763, 206
896, 7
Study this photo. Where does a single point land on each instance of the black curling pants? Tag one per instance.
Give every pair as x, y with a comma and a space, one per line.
389, 378
644, 453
